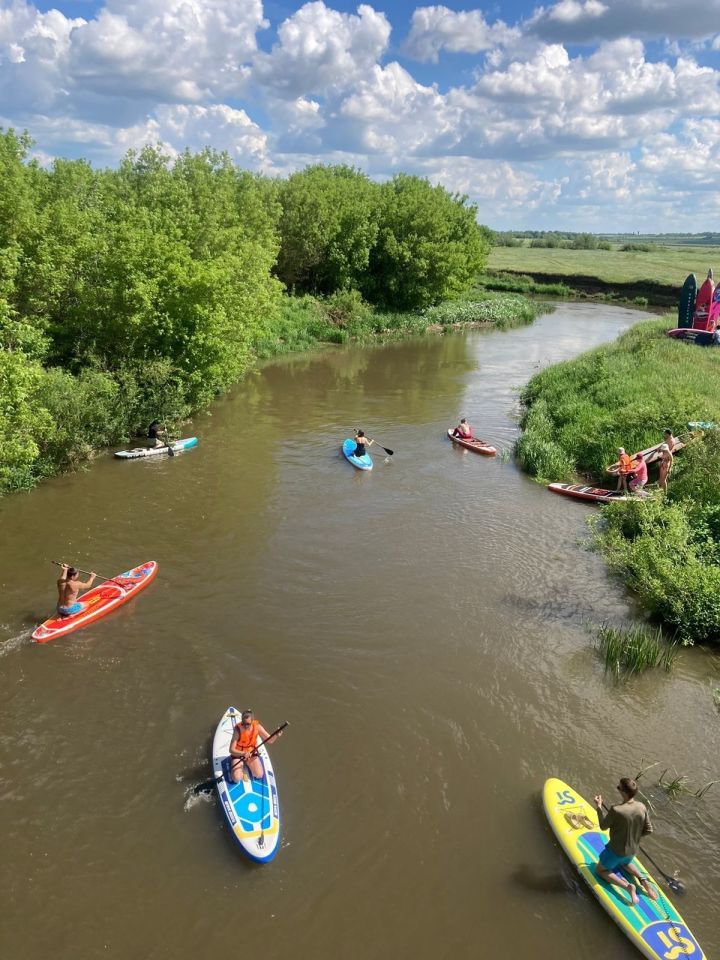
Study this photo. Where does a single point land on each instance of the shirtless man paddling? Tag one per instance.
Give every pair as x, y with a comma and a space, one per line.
68, 588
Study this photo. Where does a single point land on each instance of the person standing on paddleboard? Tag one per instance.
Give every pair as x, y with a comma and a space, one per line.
628, 822
361, 441
463, 430
68, 588
242, 746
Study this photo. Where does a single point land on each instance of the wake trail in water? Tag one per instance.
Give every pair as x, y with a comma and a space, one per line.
14, 643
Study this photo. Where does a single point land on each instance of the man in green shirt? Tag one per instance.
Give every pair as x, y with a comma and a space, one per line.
628, 822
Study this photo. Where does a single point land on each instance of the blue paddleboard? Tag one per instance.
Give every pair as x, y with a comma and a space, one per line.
362, 463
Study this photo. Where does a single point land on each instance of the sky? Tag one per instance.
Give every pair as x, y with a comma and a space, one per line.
599, 115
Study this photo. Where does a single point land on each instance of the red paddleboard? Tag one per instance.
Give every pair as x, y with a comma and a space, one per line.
702, 304
99, 601
479, 446
596, 494
714, 315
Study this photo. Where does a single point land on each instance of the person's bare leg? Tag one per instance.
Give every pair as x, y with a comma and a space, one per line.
619, 881
647, 887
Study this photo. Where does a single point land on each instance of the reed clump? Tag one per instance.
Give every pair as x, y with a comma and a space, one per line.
634, 650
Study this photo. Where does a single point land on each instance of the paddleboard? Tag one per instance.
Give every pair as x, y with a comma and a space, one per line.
98, 601
686, 304
595, 494
714, 314
654, 926
650, 454
250, 807
479, 446
177, 445
362, 463
702, 303
701, 338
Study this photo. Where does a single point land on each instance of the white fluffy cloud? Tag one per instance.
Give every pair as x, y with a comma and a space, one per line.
588, 21
536, 133
437, 28
321, 51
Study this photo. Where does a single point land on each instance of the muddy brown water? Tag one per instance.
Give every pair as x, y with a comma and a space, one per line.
425, 628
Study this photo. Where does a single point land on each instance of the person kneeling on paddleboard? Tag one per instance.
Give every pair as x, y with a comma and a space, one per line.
157, 435
628, 822
463, 430
68, 588
242, 747
361, 441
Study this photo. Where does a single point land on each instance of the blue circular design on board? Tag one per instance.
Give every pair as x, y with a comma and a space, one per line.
671, 940
251, 807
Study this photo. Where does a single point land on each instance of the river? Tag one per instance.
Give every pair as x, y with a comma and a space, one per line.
426, 629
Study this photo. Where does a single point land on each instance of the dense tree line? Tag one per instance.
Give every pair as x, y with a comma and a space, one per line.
142, 291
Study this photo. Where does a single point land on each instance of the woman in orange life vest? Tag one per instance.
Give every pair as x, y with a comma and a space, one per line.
625, 470
244, 740
463, 430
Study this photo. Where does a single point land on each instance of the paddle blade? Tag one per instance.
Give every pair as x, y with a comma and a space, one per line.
388, 452
675, 885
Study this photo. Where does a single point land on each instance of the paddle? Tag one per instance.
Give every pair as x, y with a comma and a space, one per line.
387, 451
88, 573
675, 885
207, 784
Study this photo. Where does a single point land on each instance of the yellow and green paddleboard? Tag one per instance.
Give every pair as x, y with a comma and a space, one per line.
654, 926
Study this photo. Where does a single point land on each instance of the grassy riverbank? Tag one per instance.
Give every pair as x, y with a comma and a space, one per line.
653, 276
625, 394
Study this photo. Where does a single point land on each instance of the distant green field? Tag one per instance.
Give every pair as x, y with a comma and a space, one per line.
667, 266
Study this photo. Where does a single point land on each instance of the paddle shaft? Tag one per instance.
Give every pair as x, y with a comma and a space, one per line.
88, 573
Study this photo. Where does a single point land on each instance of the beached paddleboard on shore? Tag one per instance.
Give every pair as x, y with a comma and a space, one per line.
250, 807
595, 494
479, 446
177, 447
686, 304
654, 926
360, 463
98, 601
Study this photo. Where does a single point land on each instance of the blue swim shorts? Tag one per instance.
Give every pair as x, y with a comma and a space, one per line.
611, 861
69, 611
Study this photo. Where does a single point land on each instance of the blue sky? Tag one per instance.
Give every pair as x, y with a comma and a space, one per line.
571, 114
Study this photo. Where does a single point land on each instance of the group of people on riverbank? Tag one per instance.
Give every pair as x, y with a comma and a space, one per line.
633, 471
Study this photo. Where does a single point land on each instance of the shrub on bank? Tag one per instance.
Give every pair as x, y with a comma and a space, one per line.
578, 412
622, 394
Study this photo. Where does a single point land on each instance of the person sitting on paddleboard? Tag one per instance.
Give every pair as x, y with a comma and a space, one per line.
157, 435
68, 588
243, 743
628, 822
463, 430
361, 441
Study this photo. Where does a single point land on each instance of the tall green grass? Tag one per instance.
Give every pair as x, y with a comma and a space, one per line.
345, 317
634, 650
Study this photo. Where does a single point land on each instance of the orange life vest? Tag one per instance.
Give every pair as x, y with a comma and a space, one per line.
247, 739
626, 463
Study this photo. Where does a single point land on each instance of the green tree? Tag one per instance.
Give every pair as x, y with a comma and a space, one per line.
328, 227
429, 245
